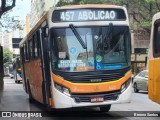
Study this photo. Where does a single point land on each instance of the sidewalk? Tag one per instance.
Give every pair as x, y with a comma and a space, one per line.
12, 96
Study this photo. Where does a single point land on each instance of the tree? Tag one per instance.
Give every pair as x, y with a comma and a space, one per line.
6, 21
75, 2
141, 11
7, 55
63, 3
6, 5
87, 1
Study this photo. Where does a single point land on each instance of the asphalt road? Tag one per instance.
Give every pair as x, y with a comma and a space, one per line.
14, 98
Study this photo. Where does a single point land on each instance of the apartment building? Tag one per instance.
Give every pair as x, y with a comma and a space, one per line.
38, 8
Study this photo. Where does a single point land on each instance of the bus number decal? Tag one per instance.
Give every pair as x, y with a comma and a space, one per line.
67, 16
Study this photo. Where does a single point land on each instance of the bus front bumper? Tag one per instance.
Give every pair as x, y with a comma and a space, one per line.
63, 101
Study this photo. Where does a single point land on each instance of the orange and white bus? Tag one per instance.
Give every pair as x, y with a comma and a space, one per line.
79, 56
154, 60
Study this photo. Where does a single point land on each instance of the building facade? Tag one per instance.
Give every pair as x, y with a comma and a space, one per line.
6, 37
6, 40
140, 39
38, 8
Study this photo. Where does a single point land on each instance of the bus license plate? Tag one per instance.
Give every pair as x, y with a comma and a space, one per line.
97, 99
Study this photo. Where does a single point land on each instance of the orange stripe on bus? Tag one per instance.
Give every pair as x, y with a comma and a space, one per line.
91, 87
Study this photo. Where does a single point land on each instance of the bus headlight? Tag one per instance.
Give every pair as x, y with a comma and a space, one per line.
62, 89
125, 85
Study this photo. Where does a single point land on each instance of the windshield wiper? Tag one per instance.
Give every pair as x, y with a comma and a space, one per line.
107, 37
78, 36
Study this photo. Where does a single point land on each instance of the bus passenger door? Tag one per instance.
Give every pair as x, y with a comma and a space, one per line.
155, 80
45, 64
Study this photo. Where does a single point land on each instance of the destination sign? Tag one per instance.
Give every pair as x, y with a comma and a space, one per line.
76, 15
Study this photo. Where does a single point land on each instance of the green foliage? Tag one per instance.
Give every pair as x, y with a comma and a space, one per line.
8, 23
63, 3
77, 2
146, 24
7, 55
150, 1
91, 2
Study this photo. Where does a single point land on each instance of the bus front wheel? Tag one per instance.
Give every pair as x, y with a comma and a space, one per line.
105, 108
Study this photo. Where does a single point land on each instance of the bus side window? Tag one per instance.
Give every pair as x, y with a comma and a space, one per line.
35, 46
33, 50
157, 40
29, 50
26, 51
38, 44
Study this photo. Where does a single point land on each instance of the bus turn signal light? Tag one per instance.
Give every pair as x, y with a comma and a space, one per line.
125, 85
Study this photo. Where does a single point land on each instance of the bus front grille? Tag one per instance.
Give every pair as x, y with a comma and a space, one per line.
87, 97
93, 76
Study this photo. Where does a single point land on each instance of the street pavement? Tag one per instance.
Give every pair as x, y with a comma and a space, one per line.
14, 98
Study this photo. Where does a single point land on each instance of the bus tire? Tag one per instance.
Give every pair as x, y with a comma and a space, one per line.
135, 88
105, 108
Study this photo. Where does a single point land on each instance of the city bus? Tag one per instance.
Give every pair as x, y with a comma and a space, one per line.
154, 60
17, 76
78, 56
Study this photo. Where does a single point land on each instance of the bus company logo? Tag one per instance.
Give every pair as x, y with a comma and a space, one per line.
96, 80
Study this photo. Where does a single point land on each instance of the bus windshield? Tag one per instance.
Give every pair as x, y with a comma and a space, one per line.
104, 50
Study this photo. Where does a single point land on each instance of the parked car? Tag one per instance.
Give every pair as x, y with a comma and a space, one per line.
140, 81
